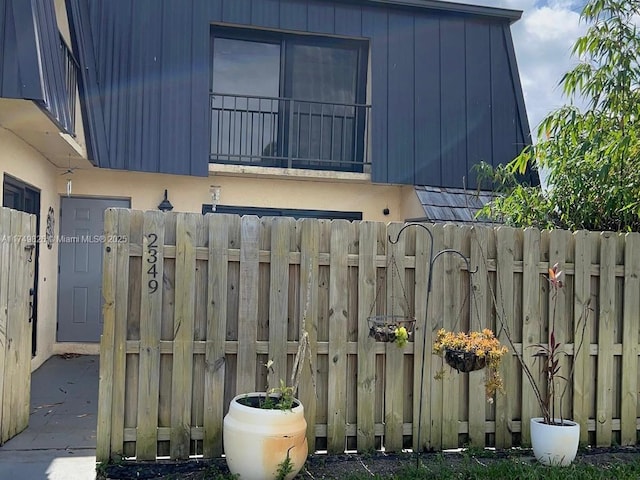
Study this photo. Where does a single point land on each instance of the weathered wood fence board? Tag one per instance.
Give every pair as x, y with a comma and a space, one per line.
17, 259
195, 306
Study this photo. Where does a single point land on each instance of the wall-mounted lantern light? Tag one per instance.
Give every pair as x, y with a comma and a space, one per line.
165, 205
214, 190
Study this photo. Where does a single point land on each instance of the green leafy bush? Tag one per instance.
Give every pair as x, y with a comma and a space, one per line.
590, 155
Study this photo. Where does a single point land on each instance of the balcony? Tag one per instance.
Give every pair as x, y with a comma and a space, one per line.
70, 71
287, 133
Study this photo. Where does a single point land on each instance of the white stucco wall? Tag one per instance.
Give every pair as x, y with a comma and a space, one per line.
24, 163
188, 194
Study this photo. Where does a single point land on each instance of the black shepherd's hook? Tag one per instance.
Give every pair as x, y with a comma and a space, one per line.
432, 260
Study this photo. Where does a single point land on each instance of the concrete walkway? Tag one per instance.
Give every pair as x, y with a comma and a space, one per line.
60, 442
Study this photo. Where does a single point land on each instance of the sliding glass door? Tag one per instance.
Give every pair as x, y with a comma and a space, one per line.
290, 101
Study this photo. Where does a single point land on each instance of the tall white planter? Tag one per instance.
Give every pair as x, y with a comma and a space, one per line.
257, 440
555, 444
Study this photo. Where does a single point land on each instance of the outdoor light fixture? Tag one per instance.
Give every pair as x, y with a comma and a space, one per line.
214, 190
165, 205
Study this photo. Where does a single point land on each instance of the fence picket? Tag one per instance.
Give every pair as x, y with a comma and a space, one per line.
504, 292
582, 321
215, 362
279, 299
478, 298
248, 305
559, 240
170, 363
422, 341
338, 307
531, 323
104, 447
186, 234
606, 320
150, 323
308, 315
366, 344
5, 256
394, 365
631, 314
451, 322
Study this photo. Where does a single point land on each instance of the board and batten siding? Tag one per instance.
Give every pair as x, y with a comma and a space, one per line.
444, 86
32, 65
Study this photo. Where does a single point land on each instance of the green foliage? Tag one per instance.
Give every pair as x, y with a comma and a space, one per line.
281, 398
285, 467
591, 155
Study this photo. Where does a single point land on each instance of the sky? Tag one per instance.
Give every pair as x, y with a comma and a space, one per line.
543, 39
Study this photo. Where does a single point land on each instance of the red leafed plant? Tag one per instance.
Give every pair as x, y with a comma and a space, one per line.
550, 353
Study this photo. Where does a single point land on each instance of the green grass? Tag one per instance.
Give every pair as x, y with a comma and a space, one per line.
469, 465
512, 469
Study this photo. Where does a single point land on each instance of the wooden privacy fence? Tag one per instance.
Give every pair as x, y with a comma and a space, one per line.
17, 260
195, 305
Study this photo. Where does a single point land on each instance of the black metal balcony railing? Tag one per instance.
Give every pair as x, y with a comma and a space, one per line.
70, 82
281, 132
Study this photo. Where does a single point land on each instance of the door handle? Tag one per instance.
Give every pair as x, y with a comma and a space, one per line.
32, 293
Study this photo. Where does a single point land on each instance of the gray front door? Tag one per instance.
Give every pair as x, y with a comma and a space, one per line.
80, 268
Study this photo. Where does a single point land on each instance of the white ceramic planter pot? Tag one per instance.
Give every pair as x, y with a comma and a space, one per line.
555, 444
256, 440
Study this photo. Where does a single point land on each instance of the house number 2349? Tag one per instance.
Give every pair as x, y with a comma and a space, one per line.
152, 261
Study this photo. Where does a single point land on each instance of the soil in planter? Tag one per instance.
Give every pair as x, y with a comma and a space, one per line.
463, 361
258, 402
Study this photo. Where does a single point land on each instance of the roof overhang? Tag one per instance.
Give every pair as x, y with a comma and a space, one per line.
460, 8
30, 123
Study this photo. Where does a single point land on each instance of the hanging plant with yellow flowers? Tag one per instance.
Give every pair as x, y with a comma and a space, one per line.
467, 352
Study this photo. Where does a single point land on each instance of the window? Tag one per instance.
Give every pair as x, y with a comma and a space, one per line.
288, 100
283, 212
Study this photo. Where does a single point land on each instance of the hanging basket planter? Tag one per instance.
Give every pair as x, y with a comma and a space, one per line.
464, 361
386, 328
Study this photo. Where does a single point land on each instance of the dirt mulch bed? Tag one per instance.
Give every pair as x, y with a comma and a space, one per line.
341, 466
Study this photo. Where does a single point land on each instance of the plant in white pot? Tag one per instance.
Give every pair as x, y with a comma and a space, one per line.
554, 438
264, 433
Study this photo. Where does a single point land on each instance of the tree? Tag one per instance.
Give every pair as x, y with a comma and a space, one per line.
592, 156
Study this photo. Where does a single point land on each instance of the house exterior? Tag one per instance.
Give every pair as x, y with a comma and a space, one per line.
336, 109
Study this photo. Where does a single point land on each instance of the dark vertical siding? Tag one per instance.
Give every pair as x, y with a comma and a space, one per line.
212, 11
236, 11
265, 13
440, 84
135, 90
524, 133
52, 63
153, 91
348, 20
400, 110
478, 97
20, 73
10, 81
293, 15
175, 136
4, 44
428, 170
504, 106
453, 113
375, 27
321, 17
31, 59
119, 121
82, 39
200, 75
